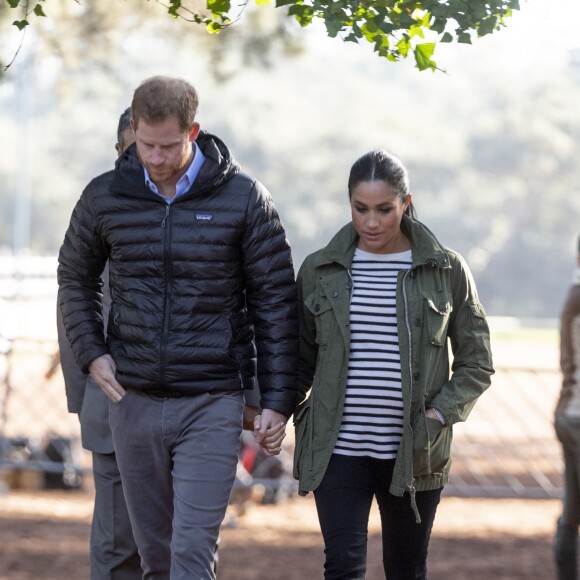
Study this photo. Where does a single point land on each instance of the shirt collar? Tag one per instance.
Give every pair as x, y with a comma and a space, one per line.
186, 180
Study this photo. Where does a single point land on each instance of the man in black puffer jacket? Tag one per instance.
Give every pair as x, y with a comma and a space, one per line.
203, 305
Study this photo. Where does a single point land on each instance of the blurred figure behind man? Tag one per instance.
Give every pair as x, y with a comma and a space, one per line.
113, 552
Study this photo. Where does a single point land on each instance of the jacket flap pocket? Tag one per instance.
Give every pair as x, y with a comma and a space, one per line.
317, 303
437, 313
443, 308
321, 309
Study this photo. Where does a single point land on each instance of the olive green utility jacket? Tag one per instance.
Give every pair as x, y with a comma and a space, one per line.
436, 301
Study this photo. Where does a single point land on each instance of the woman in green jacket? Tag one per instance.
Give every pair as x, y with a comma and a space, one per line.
378, 306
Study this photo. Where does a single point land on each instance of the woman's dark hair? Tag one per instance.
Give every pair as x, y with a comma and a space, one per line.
381, 165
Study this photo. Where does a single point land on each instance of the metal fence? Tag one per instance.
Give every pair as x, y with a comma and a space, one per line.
507, 448
39, 439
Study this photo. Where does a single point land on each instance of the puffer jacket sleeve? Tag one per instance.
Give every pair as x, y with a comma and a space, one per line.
75, 380
82, 258
271, 300
468, 332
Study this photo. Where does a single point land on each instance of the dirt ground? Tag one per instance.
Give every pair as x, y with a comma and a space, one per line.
44, 535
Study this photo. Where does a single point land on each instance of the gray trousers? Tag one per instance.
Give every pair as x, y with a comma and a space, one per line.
568, 432
113, 552
177, 458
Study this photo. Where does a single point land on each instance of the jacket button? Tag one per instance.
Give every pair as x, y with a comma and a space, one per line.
316, 307
349, 285
443, 307
417, 322
334, 294
416, 375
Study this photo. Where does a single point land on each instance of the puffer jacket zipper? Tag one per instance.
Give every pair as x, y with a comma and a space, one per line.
166, 225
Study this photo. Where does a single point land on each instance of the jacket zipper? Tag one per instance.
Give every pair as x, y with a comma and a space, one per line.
167, 254
411, 485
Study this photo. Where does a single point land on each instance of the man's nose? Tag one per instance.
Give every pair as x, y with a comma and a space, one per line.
157, 156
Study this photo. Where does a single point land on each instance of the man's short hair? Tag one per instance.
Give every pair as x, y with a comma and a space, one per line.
160, 97
124, 124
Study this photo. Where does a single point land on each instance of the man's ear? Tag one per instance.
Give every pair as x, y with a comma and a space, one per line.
194, 132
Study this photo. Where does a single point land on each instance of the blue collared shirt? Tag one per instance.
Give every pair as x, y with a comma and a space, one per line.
185, 181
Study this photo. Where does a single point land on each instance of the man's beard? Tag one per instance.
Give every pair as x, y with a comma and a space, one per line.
167, 172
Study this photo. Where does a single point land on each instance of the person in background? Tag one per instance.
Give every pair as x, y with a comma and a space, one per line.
567, 425
203, 306
113, 552
378, 307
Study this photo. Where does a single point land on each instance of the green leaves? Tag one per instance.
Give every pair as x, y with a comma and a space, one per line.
219, 7
24, 22
20, 24
423, 54
398, 28
394, 28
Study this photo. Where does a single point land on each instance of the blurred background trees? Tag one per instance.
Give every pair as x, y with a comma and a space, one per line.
492, 146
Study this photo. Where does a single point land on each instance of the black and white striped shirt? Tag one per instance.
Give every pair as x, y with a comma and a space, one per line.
372, 421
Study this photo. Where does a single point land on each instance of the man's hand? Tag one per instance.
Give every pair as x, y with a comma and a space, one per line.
250, 414
102, 370
270, 430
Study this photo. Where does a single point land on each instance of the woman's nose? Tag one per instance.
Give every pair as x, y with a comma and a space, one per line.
372, 220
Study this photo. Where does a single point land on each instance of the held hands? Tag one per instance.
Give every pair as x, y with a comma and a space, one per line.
102, 371
250, 414
270, 430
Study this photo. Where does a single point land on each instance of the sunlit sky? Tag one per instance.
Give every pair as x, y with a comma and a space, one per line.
539, 34
542, 30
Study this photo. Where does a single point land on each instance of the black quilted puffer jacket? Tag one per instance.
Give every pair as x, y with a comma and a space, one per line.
203, 290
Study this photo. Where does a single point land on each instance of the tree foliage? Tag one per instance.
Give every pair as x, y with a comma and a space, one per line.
394, 28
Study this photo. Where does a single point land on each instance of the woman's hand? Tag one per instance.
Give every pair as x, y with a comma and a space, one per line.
432, 414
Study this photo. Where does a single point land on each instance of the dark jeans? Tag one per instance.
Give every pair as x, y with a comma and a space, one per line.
343, 501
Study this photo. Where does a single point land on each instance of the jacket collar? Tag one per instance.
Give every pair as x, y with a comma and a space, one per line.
424, 245
218, 167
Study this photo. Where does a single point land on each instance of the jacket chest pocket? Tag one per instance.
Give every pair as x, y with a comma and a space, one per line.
321, 310
437, 313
